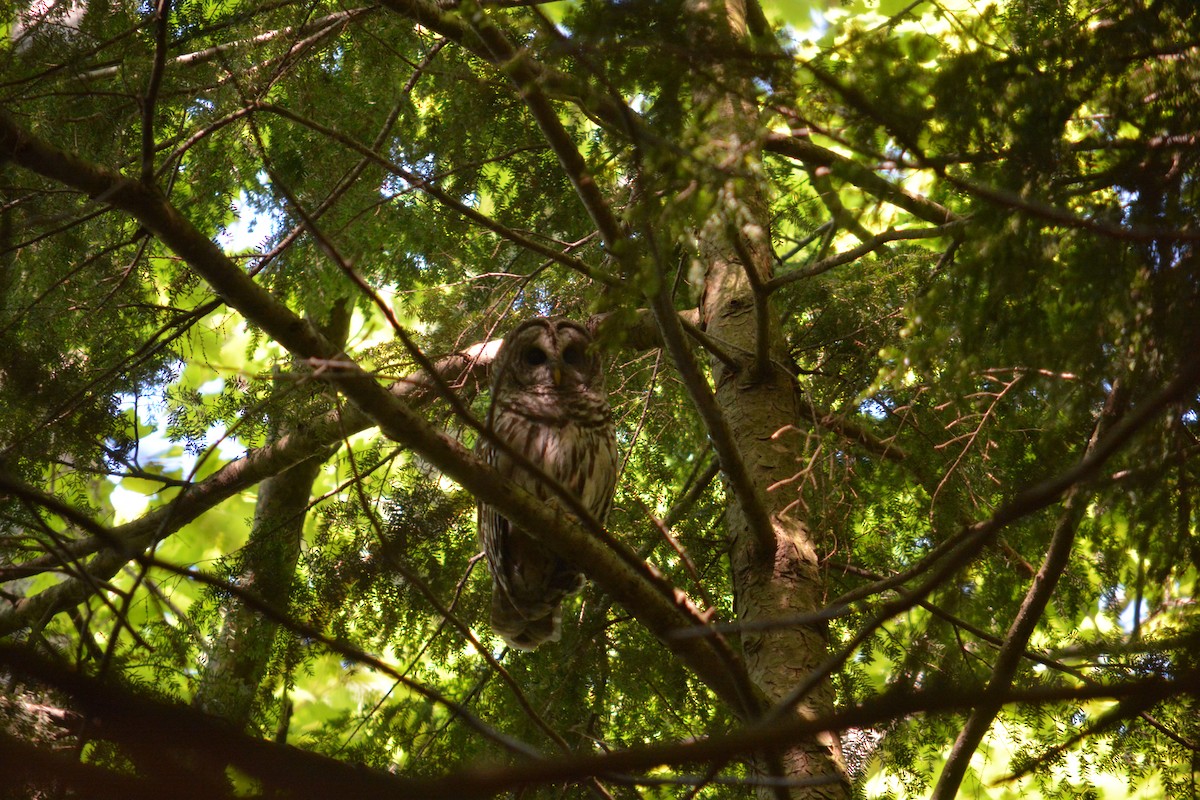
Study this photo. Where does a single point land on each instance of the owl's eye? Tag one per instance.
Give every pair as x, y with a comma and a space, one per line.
574, 356
535, 356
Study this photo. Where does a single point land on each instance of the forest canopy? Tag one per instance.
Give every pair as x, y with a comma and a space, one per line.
899, 310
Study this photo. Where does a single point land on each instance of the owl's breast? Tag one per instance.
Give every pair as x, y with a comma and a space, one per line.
547, 405
573, 443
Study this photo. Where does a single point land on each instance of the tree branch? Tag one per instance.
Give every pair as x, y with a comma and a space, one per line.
1027, 618
324, 26
732, 463
762, 311
854, 173
955, 554
134, 718
441, 196
855, 253
642, 590
162, 14
469, 367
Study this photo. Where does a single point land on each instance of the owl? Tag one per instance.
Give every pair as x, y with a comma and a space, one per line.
548, 404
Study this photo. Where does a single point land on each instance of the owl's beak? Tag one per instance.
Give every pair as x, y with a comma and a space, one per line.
556, 374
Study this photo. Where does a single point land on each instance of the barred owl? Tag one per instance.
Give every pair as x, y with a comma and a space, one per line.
548, 404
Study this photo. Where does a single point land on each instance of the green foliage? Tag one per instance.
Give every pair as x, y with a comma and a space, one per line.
939, 377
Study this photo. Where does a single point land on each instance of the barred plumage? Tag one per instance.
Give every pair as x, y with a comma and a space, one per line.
548, 404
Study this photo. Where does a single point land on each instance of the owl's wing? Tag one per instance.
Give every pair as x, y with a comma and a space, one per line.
531, 575
528, 583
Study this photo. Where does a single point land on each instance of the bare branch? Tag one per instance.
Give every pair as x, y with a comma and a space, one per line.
324, 26
310, 775
855, 253
854, 173
948, 558
469, 368
1061, 216
525, 78
441, 196
727, 450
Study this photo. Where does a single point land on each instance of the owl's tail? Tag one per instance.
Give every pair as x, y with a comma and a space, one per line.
525, 628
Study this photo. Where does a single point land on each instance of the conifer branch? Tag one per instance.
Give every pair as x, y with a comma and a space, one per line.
640, 588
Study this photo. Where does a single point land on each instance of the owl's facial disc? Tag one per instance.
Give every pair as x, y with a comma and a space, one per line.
575, 356
545, 367
554, 356
535, 356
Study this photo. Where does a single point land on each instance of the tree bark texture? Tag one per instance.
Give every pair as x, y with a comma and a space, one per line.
774, 573
241, 651
781, 580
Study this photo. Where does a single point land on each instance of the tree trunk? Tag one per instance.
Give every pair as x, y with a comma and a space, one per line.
775, 574
241, 651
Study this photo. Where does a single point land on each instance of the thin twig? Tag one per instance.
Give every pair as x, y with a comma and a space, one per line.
1027, 618
855, 253
162, 13
442, 196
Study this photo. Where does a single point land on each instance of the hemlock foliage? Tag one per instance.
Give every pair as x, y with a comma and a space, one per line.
975, 230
